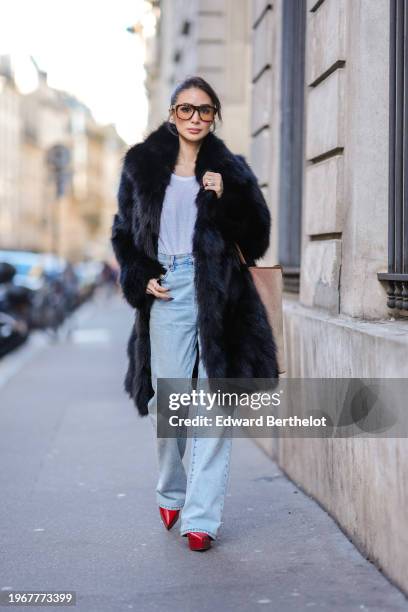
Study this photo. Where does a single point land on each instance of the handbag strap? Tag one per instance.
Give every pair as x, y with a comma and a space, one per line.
240, 255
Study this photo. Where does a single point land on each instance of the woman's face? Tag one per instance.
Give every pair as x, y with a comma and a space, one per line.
201, 128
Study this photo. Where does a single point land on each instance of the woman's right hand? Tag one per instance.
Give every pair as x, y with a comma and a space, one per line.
154, 288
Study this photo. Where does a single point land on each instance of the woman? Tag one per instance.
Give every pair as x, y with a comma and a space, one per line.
184, 201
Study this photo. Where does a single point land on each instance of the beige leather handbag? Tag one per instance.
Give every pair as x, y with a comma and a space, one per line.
268, 281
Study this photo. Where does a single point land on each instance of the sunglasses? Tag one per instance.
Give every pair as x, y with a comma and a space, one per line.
186, 111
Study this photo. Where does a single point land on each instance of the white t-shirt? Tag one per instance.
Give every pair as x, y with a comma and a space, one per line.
178, 215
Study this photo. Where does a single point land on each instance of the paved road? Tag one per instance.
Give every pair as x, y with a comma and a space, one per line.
78, 512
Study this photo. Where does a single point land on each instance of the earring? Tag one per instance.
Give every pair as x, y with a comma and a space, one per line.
213, 126
172, 127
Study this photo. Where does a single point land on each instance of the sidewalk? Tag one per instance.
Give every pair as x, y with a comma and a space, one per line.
78, 508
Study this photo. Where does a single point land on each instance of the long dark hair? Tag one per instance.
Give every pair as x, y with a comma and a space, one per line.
199, 83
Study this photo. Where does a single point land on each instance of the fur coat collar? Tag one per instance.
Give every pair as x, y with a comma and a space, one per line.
236, 338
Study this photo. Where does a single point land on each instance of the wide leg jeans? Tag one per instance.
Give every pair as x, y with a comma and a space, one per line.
174, 342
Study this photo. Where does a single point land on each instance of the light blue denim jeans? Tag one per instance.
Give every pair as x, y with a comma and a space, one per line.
174, 341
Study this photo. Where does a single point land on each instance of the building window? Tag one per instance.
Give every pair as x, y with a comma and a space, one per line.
397, 275
291, 139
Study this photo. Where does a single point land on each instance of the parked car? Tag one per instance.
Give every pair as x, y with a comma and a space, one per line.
28, 267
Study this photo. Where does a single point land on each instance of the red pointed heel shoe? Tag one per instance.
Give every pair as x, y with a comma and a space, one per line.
169, 517
198, 540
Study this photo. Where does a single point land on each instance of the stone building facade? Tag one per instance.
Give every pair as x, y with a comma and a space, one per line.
77, 224
327, 74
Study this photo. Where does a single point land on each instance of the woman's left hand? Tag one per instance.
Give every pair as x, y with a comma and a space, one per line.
213, 180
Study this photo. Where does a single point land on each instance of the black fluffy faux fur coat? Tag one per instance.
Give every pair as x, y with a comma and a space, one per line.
237, 341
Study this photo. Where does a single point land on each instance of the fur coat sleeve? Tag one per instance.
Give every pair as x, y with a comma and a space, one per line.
136, 268
242, 213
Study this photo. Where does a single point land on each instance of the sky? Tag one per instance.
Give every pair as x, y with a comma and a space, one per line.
84, 47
